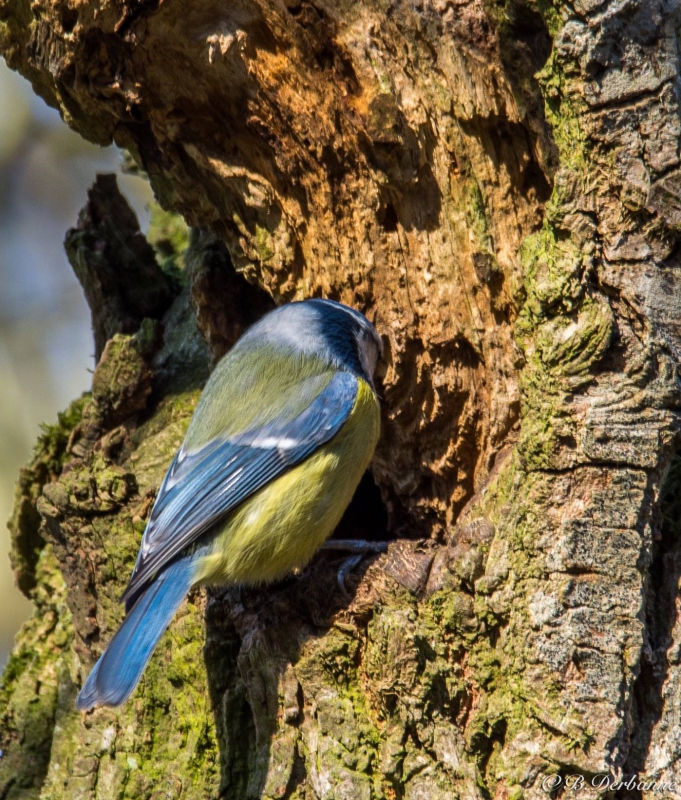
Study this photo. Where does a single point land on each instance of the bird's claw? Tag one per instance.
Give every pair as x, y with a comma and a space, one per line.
360, 548
348, 565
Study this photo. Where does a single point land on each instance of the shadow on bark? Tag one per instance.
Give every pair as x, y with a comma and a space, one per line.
282, 618
659, 650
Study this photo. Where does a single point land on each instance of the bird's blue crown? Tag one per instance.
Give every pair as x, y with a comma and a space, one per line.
319, 327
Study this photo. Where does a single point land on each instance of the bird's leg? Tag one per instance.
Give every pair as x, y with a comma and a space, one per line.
360, 548
355, 546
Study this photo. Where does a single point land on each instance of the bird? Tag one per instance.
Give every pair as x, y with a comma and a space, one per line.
284, 429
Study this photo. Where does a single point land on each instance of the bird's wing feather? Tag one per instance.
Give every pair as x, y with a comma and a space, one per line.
201, 488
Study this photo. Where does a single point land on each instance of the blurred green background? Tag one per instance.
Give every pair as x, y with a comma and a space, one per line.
45, 339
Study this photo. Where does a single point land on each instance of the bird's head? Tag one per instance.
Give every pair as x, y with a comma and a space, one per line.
325, 329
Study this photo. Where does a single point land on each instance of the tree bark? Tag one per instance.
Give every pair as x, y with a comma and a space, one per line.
498, 187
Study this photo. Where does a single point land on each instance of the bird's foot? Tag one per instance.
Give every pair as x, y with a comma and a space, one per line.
360, 548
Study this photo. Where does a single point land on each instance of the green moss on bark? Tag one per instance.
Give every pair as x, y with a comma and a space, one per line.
46, 464
36, 674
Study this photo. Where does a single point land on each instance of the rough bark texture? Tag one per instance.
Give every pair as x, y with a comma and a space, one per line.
498, 187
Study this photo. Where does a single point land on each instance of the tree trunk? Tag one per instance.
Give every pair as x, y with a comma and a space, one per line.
498, 187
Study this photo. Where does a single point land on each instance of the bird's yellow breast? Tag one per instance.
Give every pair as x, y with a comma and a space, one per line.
282, 526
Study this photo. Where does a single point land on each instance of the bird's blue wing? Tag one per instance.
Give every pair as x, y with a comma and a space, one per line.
201, 488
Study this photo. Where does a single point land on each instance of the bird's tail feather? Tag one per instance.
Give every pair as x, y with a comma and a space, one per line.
121, 665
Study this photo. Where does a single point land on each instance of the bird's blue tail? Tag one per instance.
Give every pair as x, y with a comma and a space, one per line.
120, 667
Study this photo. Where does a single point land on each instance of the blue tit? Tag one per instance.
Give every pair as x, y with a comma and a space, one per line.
281, 436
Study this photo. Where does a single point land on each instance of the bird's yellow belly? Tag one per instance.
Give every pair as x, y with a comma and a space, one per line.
283, 525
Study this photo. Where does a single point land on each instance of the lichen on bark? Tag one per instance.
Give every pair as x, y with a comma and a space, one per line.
496, 186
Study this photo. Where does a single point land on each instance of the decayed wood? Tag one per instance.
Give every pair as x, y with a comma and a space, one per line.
497, 188
371, 154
